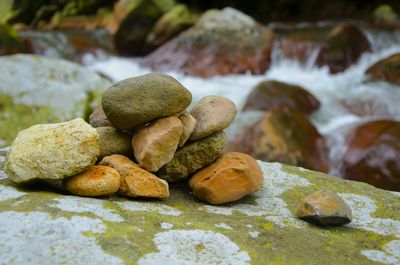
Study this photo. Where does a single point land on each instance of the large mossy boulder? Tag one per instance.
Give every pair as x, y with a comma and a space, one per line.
41, 226
387, 69
35, 89
222, 42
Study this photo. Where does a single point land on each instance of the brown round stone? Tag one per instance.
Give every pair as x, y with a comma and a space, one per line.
97, 181
231, 177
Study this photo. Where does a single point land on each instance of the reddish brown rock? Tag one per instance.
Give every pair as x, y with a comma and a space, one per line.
284, 135
155, 145
269, 94
387, 69
324, 208
363, 108
344, 46
298, 48
97, 181
222, 42
373, 154
136, 181
231, 177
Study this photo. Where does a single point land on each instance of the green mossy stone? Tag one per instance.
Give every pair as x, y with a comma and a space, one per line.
192, 157
139, 100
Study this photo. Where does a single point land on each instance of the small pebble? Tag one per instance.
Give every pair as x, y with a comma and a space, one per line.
324, 208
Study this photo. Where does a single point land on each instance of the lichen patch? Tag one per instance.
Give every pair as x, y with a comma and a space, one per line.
149, 207
194, 247
86, 205
35, 238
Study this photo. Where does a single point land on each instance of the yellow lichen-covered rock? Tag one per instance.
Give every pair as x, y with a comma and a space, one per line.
231, 177
53, 151
136, 181
155, 145
97, 181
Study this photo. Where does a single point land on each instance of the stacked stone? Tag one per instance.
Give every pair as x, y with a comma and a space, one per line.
143, 138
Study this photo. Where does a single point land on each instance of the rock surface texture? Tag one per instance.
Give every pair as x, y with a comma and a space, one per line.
139, 100
53, 151
259, 229
220, 43
36, 89
231, 177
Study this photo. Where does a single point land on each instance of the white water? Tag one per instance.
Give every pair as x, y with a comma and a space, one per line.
332, 120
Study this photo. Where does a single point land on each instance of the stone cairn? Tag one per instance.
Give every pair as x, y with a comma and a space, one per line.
141, 139
138, 141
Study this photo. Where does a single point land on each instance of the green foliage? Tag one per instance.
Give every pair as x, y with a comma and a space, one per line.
385, 12
6, 11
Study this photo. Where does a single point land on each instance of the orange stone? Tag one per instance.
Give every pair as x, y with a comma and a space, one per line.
97, 181
136, 181
233, 176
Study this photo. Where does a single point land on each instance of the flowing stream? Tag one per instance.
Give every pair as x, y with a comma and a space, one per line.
379, 100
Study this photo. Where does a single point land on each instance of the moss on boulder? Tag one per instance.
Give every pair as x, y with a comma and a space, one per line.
258, 229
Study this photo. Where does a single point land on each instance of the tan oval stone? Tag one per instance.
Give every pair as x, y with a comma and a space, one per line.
188, 123
97, 181
136, 181
324, 208
231, 177
213, 114
155, 145
112, 142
